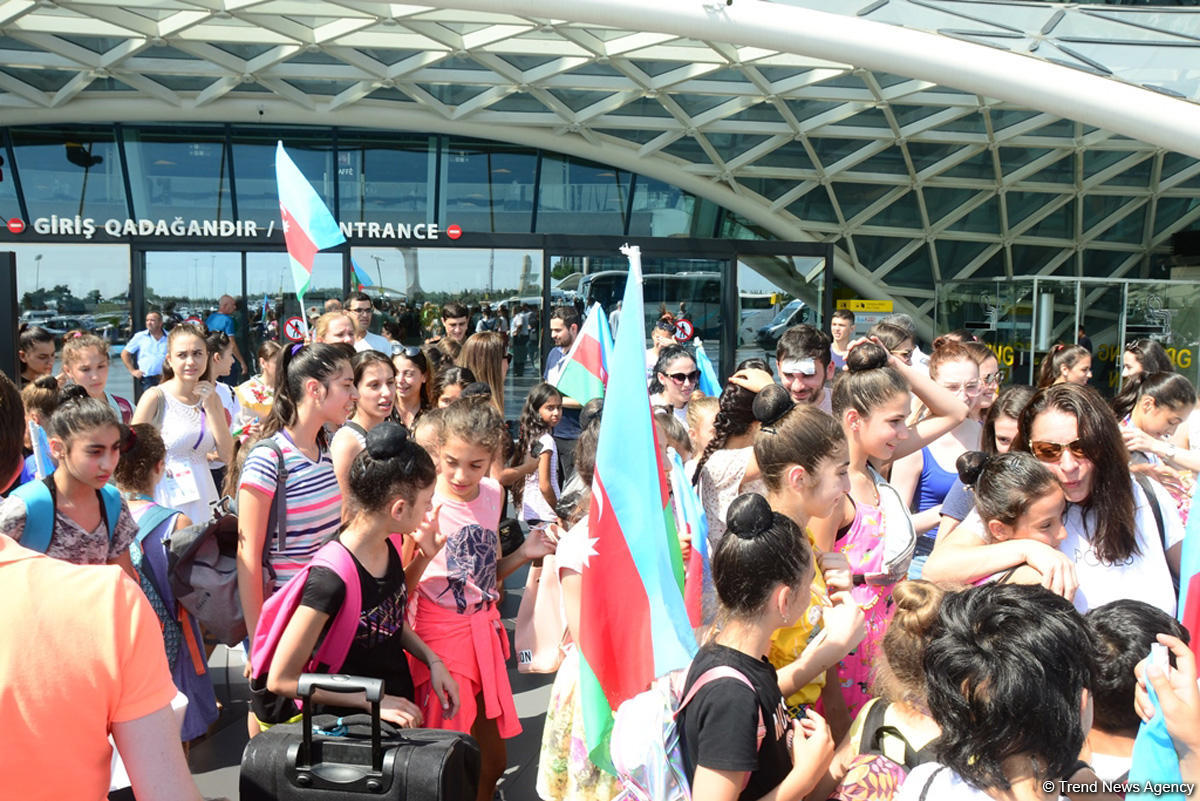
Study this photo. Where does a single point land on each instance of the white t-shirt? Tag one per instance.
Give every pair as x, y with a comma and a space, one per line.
534, 505
373, 342
1143, 577
945, 784
233, 411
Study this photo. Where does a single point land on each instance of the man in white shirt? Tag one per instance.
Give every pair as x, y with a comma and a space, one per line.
360, 307
145, 352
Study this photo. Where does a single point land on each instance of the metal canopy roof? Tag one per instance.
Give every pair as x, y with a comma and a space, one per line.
915, 179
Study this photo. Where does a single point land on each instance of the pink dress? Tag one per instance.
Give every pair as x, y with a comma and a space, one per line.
862, 543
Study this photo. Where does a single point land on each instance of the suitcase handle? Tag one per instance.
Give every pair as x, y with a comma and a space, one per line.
339, 683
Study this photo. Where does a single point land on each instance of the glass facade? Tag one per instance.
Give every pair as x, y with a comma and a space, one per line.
121, 219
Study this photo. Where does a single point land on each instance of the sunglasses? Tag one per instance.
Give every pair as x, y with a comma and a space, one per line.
1052, 451
970, 389
992, 379
408, 352
684, 378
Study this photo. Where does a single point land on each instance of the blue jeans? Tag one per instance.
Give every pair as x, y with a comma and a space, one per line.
920, 554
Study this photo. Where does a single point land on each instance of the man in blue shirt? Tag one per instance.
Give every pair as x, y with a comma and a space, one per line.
564, 327
222, 320
144, 353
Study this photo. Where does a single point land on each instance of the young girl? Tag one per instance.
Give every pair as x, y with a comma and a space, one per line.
391, 484
375, 380
85, 440
35, 351
40, 399
456, 611
1151, 406
897, 721
85, 362
802, 454
727, 467
989, 378
220, 362
1070, 364
999, 432
257, 394
923, 478
412, 384
139, 471
538, 492
191, 419
871, 399
1016, 498
449, 384
762, 571
315, 387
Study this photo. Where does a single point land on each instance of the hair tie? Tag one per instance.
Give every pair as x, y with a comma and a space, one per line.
296, 348
75, 335
1058, 347
129, 439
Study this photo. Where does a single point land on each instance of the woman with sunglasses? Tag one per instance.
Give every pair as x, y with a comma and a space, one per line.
675, 379
923, 478
412, 383
989, 378
1113, 548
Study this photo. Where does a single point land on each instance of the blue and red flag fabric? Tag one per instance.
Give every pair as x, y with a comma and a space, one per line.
308, 227
633, 625
692, 524
709, 384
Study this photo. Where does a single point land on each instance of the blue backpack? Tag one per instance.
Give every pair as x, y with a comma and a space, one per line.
40, 498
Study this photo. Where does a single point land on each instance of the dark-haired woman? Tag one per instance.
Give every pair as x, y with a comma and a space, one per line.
1065, 364
315, 387
1113, 548
734, 729
1008, 672
390, 489
726, 468
1144, 356
412, 384
35, 351
675, 379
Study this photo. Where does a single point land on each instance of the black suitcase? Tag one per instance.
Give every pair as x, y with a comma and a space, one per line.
289, 761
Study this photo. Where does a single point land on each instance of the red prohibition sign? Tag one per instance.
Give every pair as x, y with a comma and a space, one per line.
683, 329
293, 329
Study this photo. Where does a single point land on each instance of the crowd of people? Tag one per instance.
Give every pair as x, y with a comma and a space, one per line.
923, 583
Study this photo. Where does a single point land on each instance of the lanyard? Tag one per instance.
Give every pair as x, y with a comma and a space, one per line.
203, 419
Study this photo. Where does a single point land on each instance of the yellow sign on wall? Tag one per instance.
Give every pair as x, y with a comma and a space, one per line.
857, 305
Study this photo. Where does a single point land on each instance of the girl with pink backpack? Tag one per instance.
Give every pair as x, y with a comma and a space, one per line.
345, 610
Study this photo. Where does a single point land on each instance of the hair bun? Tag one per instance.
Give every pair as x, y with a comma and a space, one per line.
386, 440
970, 465
476, 389
866, 356
749, 515
771, 404
46, 382
73, 392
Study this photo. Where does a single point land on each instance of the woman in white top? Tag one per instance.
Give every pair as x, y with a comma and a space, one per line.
675, 379
1113, 548
192, 422
1008, 678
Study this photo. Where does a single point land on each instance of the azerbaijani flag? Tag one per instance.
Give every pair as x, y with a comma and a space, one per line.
693, 524
583, 372
361, 279
709, 384
633, 624
308, 226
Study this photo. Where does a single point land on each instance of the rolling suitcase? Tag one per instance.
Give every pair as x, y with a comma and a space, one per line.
289, 762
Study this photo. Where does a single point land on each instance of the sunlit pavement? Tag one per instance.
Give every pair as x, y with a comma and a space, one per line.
215, 762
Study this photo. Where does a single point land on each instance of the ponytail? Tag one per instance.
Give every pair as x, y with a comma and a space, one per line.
294, 365
1165, 389
1056, 359
1004, 484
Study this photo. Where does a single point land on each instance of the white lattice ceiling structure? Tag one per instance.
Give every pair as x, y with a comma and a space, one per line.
978, 139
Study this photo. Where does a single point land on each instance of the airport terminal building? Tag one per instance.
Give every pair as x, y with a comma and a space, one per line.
1023, 169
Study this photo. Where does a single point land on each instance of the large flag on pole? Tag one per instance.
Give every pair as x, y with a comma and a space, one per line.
308, 227
633, 624
583, 372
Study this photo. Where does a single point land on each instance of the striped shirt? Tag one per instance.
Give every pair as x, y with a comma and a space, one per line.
314, 503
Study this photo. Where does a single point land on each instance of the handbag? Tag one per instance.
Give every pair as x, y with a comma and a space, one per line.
541, 630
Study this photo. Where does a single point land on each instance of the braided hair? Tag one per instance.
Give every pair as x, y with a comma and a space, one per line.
735, 414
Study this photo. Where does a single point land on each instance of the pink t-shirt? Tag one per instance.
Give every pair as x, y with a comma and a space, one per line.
462, 577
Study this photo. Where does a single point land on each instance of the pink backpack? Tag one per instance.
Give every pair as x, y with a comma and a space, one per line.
277, 612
